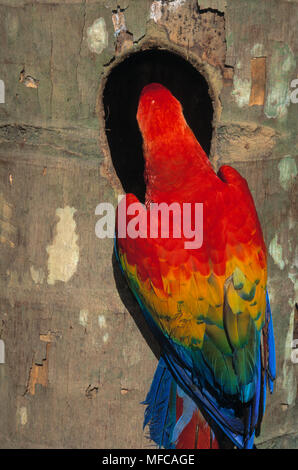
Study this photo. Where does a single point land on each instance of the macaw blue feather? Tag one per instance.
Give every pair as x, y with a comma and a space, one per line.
257, 398
271, 346
249, 443
160, 413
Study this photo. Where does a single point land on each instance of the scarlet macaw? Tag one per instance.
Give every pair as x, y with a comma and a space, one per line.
208, 307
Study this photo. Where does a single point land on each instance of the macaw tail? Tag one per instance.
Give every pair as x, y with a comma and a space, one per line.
174, 420
192, 430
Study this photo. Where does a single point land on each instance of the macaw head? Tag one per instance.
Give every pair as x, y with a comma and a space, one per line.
170, 147
159, 114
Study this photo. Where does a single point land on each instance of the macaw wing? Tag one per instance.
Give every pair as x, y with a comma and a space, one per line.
209, 326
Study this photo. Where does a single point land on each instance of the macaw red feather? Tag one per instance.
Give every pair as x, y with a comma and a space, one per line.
197, 434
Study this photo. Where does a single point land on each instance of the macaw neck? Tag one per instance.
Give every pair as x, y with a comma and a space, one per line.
175, 165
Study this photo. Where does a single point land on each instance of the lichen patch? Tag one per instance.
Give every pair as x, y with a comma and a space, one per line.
64, 251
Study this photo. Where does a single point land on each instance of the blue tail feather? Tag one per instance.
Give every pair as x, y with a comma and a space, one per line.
271, 346
160, 413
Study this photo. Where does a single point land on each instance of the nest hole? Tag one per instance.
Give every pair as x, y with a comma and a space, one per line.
120, 99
